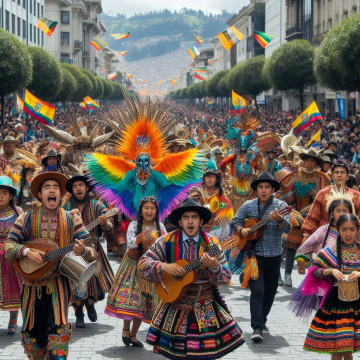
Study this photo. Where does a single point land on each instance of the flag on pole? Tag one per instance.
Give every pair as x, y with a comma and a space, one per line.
199, 76
238, 102
306, 118
314, 140
193, 52
18, 106
82, 105
38, 109
120, 36
262, 38
199, 39
92, 105
46, 25
230, 37
112, 76
98, 43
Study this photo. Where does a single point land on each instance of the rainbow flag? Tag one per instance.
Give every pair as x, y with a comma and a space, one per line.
120, 36
314, 140
112, 76
230, 37
122, 53
173, 82
262, 38
199, 39
200, 69
98, 43
199, 76
193, 52
46, 25
238, 102
306, 118
82, 105
92, 105
103, 70
38, 109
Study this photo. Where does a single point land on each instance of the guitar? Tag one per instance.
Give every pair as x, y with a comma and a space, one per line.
257, 227
30, 270
173, 288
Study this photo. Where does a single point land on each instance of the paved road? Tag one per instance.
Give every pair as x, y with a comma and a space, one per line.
102, 340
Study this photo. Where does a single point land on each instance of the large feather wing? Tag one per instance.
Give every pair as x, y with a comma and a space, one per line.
267, 141
59, 135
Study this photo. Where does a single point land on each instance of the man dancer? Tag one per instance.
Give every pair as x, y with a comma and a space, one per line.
198, 326
46, 333
272, 165
90, 210
267, 249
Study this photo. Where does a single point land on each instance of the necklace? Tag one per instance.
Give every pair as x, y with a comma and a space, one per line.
354, 245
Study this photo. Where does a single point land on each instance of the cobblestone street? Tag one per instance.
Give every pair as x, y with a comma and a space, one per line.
102, 340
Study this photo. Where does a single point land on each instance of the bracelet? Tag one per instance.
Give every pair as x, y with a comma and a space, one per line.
327, 272
84, 253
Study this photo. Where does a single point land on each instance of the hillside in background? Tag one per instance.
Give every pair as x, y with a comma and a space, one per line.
158, 33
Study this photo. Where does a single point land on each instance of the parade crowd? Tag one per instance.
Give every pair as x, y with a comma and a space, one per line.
187, 196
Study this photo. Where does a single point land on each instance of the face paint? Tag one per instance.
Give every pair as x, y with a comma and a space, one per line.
143, 168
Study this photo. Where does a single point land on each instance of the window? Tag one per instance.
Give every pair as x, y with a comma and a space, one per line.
64, 58
19, 2
30, 6
30, 28
42, 10
34, 7
65, 17
42, 38
38, 36
34, 34
13, 23
24, 29
65, 38
24, 4
38, 11
7, 20
18, 26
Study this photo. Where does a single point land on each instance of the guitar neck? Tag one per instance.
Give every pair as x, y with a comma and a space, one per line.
55, 254
259, 225
96, 222
214, 251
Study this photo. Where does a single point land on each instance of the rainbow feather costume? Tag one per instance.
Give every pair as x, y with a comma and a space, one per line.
145, 168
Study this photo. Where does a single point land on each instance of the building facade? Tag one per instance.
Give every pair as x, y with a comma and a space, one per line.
20, 17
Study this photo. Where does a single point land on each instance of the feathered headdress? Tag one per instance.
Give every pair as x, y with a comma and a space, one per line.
341, 193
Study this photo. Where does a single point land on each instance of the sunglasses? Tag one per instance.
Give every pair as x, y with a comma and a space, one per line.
146, 199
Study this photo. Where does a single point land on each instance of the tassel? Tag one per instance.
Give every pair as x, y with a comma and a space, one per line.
251, 271
254, 268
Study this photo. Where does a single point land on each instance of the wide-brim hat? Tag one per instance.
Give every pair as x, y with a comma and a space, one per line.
331, 155
77, 177
313, 155
48, 175
332, 142
51, 153
6, 183
265, 177
326, 159
190, 204
9, 139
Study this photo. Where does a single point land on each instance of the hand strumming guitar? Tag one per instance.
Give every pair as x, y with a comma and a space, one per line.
210, 262
244, 232
35, 256
275, 216
102, 220
79, 248
174, 269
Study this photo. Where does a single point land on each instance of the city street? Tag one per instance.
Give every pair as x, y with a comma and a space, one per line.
102, 340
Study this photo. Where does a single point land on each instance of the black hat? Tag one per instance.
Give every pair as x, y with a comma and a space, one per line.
332, 142
77, 177
331, 155
265, 177
273, 150
51, 153
312, 154
190, 204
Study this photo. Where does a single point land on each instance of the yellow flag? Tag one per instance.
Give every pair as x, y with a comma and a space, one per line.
314, 139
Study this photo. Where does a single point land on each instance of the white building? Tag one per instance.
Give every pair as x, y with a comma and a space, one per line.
20, 17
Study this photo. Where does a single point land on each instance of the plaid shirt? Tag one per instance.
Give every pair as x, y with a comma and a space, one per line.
270, 244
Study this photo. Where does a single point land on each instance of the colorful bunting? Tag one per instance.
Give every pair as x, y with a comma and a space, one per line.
173, 82
112, 76
38, 109
193, 52
122, 53
177, 77
120, 36
199, 39
98, 43
200, 69
103, 70
199, 76
92, 105
46, 25
262, 38
230, 37
211, 61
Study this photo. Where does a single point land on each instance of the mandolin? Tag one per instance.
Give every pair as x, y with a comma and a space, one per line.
30, 270
257, 227
172, 288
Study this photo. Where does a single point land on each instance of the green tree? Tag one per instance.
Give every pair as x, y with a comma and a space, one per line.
47, 77
15, 66
223, 86
191, 92
290, 67
212, 84
92, 78
108, 90
337, 60
99, 88
202, 89
197, 91
69, 86
117, 91
177, 94
83, 82
247, 78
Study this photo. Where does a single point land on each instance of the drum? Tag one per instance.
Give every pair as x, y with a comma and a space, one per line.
348, 290
76, 268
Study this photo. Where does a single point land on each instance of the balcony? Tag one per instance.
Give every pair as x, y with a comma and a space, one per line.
78, 45
79, 4
91, 21
293, 33
86, 54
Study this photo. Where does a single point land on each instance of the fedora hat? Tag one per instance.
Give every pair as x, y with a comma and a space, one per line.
312, 154
6, 183
77, 177
190, 204
326, 159
51, 153
9, 139
49, 175
265, 177
331, 155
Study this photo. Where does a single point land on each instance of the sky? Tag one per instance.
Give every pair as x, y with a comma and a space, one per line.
130, 7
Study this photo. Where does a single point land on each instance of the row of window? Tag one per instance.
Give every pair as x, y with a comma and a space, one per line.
16, 28
31, 7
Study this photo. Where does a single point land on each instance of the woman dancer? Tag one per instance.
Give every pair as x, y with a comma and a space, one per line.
132, 296
10, 298
325, 235
335, 328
